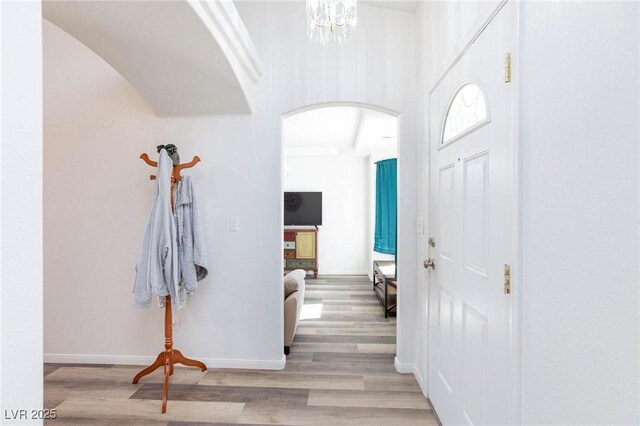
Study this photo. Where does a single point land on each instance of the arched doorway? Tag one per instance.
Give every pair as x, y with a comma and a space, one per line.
330, 153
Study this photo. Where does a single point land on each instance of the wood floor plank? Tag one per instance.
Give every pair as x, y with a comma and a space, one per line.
305, 331
207, 393
50, 368
299, 357
84, 421
376, 348
350, 302
210, 424
340, 372
349, 331
330, 338
335, 398
340, 368
400, 382
336, 294
55, 393
315, 347
336, 323
368, 308
340, 357
334, 308
341, 277
77, 364
328, 368
284, 380
283, 415
353, 302
340, 287
122, 374
145, 410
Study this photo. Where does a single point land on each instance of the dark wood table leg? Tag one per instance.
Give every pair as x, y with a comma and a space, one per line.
386, 298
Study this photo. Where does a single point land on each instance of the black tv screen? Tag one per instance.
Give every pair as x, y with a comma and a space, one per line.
302, 208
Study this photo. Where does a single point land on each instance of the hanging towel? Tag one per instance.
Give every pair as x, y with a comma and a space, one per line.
157, 268
192, 256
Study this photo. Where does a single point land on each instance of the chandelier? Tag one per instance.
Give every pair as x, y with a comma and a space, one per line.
331, 21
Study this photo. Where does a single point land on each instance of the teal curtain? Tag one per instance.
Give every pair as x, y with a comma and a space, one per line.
386, 206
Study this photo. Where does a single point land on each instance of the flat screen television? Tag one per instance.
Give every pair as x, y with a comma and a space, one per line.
302, 208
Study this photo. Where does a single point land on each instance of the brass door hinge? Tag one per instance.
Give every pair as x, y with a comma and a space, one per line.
507, 279
507, 67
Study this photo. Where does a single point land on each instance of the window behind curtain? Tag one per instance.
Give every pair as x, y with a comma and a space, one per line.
386, 206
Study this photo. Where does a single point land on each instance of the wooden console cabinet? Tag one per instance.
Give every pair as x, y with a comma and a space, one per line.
301, 250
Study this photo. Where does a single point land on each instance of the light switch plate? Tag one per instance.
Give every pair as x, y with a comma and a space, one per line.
234, 224
420, 225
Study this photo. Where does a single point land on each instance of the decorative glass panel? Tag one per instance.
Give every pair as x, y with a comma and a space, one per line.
467, 110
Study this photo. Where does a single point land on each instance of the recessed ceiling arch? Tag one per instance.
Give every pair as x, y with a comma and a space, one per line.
339, 128
184, 57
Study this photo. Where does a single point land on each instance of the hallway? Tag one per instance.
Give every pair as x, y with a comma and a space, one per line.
340, 371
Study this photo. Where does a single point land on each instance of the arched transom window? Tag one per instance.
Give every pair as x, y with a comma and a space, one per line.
467, 111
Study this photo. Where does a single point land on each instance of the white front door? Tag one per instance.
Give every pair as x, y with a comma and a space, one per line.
472, 179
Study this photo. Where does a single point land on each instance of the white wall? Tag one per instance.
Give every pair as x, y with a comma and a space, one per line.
580, 145
97, 190
21, 210
343, 236
578, 74
444, 27
97, 195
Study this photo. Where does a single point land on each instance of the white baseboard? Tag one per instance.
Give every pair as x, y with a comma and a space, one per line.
420, 381
411, 368
146, 360
403, 368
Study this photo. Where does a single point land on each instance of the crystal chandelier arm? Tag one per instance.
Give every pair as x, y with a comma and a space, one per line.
331, 21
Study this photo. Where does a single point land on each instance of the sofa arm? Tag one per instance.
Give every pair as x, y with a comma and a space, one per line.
290, 316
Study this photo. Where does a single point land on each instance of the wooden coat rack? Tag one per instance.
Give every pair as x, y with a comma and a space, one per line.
169, 356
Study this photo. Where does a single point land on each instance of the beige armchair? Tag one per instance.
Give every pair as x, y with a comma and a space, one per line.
293, 301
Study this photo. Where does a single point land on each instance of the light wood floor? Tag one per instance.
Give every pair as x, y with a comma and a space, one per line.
340, 372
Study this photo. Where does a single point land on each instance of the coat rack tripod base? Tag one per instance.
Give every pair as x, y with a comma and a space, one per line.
169, 357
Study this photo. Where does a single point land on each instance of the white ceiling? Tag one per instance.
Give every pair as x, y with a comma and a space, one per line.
322, 128
402, 5
339, 130
167, 51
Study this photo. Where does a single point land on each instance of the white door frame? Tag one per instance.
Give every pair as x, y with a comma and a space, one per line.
482, 23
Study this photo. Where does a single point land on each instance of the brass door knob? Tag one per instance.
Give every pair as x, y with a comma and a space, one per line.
429, 263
